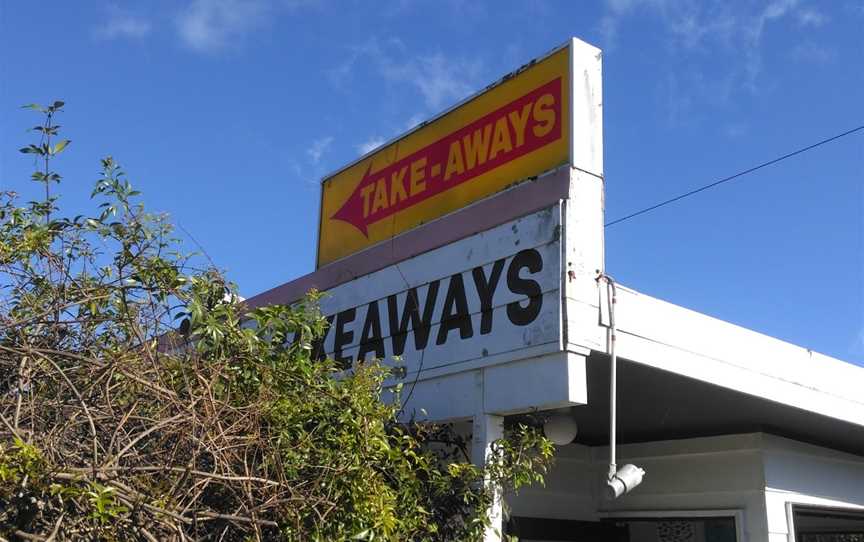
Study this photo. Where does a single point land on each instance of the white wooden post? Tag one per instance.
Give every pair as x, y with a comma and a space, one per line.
487, 428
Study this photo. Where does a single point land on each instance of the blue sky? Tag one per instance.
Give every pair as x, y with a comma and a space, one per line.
226, 113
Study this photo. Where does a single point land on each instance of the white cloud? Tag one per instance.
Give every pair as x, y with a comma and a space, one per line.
122, 24
857, 346
608, 28
689, 23
735, 130
812, 52
376, 141
753, 32
211, 25
370, 145
732, 34
295, 167
693, 24
414, 120
457, 10
812, 17
318, 148
778, 8
439, 79
215, 25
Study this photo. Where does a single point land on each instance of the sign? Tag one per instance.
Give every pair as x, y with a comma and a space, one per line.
488, 297
514, 130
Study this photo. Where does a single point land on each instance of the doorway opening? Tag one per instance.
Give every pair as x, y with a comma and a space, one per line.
815, 524
648, 527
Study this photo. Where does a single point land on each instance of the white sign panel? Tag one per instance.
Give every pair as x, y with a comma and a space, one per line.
492, 295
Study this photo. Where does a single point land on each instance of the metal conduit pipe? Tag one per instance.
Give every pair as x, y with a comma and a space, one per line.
623, 480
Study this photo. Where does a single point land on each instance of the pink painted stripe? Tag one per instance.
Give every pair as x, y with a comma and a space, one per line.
518, 201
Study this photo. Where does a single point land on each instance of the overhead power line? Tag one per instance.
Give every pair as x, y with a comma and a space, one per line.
731, 177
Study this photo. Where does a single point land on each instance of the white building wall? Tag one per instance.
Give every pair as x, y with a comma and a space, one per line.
569, 492
798, 473
701, 474
756, 477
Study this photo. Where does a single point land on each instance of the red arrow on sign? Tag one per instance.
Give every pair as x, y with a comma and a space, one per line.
511, 131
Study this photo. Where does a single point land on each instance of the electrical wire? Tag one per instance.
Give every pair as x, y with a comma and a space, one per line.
731, 177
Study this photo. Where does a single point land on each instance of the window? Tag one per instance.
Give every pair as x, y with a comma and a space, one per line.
814, 524
645, 528
685, 529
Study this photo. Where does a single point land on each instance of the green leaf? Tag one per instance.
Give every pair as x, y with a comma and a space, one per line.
30, 149
58, 148
35, 107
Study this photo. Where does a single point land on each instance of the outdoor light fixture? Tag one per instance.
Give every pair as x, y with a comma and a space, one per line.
623, 480
560, 429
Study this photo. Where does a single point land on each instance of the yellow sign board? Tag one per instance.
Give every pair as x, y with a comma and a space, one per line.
514, 130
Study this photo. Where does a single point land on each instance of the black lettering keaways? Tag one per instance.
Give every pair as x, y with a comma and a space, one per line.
370, 339
486, 289
455, 314
519, 315
415, 317
343, 338
411, 312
